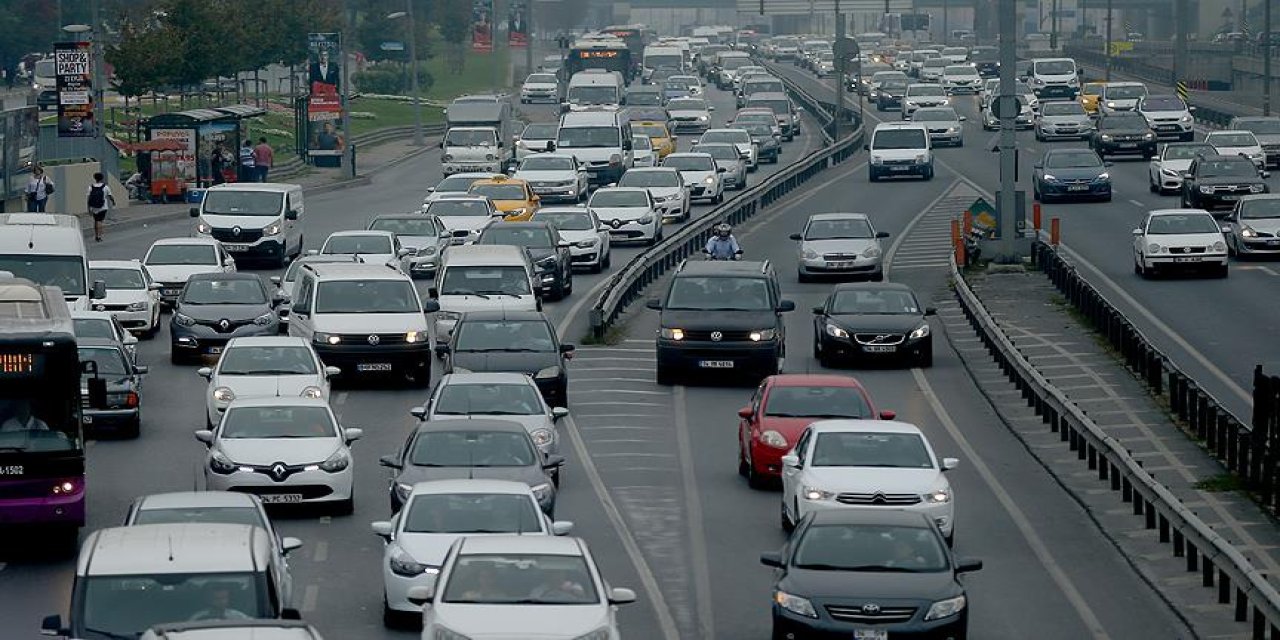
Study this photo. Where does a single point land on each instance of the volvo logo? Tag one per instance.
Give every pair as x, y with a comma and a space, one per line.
882, 337
374, 339
224, 324
235, 231
871, 608
279, 470
717, 336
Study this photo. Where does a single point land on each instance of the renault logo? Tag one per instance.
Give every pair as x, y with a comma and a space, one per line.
717, 336
278, 470
235, 231
224, 324
871, 608
374, 339
616, 223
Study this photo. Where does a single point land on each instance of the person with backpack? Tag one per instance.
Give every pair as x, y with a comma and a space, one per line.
99, 199
38, 190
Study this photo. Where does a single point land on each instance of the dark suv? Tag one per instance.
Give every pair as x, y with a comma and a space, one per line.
216, 307
1214, 181
721, 318
550, 254
1124, 132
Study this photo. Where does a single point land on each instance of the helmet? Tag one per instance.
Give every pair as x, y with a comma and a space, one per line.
724, 230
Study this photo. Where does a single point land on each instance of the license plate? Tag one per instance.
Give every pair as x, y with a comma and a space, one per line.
870, 634
171, 292
87, 419
1228, 198
213, 351
839, 265
1188, 259
899, 168
1273, 243
281, 498
235, 247
715, 364
1128, 145
1078, 187
373, 366
879, 348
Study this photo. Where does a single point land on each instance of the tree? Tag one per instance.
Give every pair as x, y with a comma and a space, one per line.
29, 26
452, 19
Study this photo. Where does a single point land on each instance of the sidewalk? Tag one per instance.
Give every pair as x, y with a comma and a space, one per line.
1039, 322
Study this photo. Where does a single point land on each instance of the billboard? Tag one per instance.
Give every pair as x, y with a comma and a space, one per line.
73, 64
482, 25
324, 98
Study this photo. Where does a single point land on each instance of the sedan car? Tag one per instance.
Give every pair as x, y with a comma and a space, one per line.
872, 321
511, 341
460, 183
1025, 119
215, 308
552, 263
737, 137
132, 296
1238, 143
373, 247
121, 413
1063, 120
660, 137
666, 186
543, 87
1184, 239
877, 80
961, 78
729, 158
1069, 174
172, 261
264, 367
103, 325
690, 114
422, 236
464, 216
506, 396
555, 177
1164, 172
1253, 227
588, 238
700, 173
944, 125
764, 134
839, 244
889, 95
1266, 129
630, 213
871, 574
922, 95
514, 198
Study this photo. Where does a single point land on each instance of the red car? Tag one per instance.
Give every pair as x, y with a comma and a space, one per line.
782, 407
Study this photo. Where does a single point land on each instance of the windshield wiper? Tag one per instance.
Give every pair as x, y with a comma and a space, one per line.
504, 413
466, 293
486, 294
872, 567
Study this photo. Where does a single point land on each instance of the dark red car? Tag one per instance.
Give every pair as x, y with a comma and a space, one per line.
780, 410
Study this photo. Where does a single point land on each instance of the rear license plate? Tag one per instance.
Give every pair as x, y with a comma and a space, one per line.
1078, 187
899, 168
281, 498
373, 366
1128, 145
1188, 259
236, 247
870, 634
715, 364
879, 348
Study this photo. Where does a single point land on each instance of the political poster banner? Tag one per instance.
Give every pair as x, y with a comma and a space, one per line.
324, 99
482, 25
73, 65
518, 24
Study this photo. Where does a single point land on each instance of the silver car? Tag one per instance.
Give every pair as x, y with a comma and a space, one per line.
1253, 227
729, 158
839, 244
690, 114
944, 125
1058, 120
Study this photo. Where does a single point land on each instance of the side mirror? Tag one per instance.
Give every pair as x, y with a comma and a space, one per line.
568, 349
352, 434
403, 253
819, 310
1186, 175
559, 412
52, 626
1107, 163
141, 369
332, 372
866, 147
99, 290
205, 436
771, 559
194, 212
440, 144
419, 413
653, 303
561, 528
421, 594
964, 118
276, 280
290, 544
1266, 174
930, 311
1191, 109
882, 234
619, 595
278, 299
888, 415
551, 145
205, 372
791, 461
382, 529
430, 306
950, 463
711, 107
291, 214
433, 292
786, 305
313, 252
746, 413
553, 461
795, 236
967, 565
390, 462
1037, 165
1137, 232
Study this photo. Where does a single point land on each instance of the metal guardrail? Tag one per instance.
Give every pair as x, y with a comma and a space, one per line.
1220, 565
1242, 450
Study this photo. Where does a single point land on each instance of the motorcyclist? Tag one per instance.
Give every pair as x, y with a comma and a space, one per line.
722, 245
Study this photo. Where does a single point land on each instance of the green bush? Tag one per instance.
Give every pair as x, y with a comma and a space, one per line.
389, 78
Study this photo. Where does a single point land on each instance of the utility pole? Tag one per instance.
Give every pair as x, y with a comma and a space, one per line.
946, 22
528, 36
1179, 39
841, 72
413, 82
348, 149
1107, 43
98, 51
1266, 59
499, 40
1053, 19
1007, 203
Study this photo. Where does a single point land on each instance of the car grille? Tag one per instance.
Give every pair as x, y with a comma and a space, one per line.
229, 235
899, 162
879, 338
110, 307
839, 256
368, 338
1229, 189
1271, 149
870, 613
1120, 137
879, 499
1185, 250
230, 326
725, 335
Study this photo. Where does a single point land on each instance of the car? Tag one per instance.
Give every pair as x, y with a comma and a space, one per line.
690, 114
782, 407
900, 149
551, 258
785, 113
695, 83
171, 261
511, 196
960, 78
214, 308
505, 586
871, 322
890, 93
666, 186
824, 64
464, 216
423, 237
1059, 120
232, 628
1024, 120
1069, 174
644, 96
481, 448
877, 80
1253, 226
737, 137
922, 95
1120, 96
373, 247
225, 507
438, 513
1164, 172
660, 137
1168, 116
642, 153
1020, 89
727, 157
540, 86
765, 137
875, 465
1123, 132
286, 451
121, 413
646, 113
104, 326
931, 70
284, 285
132, 296
944, 125
460, 183
630, 213
1185, 239
955, 55
275, 366
839, 244
1266, 129
588, 238
511, 341
1090, 92
868, 574
1238, 143
554, 177
1218, 181
514, 397
700, 174
537, 137
672, 89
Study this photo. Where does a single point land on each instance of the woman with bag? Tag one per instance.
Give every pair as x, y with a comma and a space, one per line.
99, 199
38, 190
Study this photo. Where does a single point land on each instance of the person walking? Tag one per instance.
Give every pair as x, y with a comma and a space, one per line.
263, 158
248, 170
38, 190
99, 199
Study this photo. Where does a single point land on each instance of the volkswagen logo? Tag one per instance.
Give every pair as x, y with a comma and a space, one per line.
871, 608
717, 336
235, 231
279, 471
374, 338
224, 324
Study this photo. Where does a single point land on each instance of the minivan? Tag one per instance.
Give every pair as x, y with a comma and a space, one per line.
481, 277
900, 148
253, 219
601, 140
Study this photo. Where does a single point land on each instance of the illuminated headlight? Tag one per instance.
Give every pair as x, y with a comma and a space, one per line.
920, 332
774, 439
183, 320
946, 608
1219, 246
339, 461
762, 334
1206, 189
710, 180
1248, 232
1102, 177
1154, 248
814, 493
911, 103
1149, 136
872, 251
313, 392
938, 496
326, 338
223, 394
836, 332
542, 491
272, 230
1049, 177
264, 319
136, 306
953, 129
673, 333
1257, 188
703, 118
219, 463
1111, 105
403, 564
1106, 137
203, 228
795, 604
549, 372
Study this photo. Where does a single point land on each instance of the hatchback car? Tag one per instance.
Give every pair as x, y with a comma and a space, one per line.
423, 237
700, 173
1238, 143
464, 216
690, 114
511, 341
1123, 132
132, 296
588, 239
1183, 239
1062, 120
215, 308
553, 266
923, 95
276, 366
1164, 172
859, 322
961, 78
890, 93
514, 397
103, 325
839, 244
1253, 227
729, 158
1118, 97
1069, 174
224, 507
630, 213
122, 411
555, 177
172, 261
1169, 116
737, 137
944, 125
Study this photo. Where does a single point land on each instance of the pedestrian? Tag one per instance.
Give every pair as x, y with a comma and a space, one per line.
217, 164
248, 171
39, 187
263, 157
99, 200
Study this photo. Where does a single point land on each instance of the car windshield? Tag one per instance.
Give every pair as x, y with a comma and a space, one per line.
242, 203
593, 94
109, 360
514, 399
537, 131
496, 191
535, 237
443, 448
216, 515
928, 90
1170, 224
521, 579
125, 606
960, 70
936, 63
778, 107
735, 136
870, 449
277, 422
588, 137
543, 162
617, 198
726, 152
1186, 151
689, 163
954, 51
180, 254
675, 85
1072, 160
94, 328
898, 139
1055, 67
366, 296
1271, 127
1232, 139
1062, 109
874, 301
891, 85
119, 278
935, 115
650, 130
460, 208
470, 138
838, 228
357, 244
407, 226
1124, 92
504, 335
657, 60
816, 402
1124, 120
644, 98
760, 129
687, 104
483, 281
642, 143
457, 184
236, 291
761, 86
870, 547
262, 360
719, 293
1227, 168
1260, 209
566, 221
650, 179
462, 513
63, 271
1163, 103
541, 78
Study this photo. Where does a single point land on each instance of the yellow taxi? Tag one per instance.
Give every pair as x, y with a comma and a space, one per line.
1089, 96
663, 142
512, 196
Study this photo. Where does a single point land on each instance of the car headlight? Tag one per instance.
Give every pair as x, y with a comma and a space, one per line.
1154, 248
877, 160
1106, 137
542, 491
1257, 188
1206, 189
872, 251
774, 439
836, 332
264, 319
710, 180
703, 118
645, 219
815, 493
1248, 232
920, 332
549, 372
219, 463
1149, 136
271, 230
137, 306
1219, 246
414, 337
953, 129
673, 333
313, 392
224, 394
921, 159
446, 158
1171, 173
588, 243
203, 228
403, 564
602, 633
428, 251
946, 608
940, 495
762, 334
794, 604
809, 254
1187, 118
339, 461
1111, 105
542, 437
1102, 177
183, 320
326, 338
1049, 177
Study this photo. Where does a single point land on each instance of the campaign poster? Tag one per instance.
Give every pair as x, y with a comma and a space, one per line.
324, 78
73, 68
518, 24
482, 25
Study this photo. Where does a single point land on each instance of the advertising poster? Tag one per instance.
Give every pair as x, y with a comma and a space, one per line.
518, 24
73, 68
324, 100
178, 165
482, 25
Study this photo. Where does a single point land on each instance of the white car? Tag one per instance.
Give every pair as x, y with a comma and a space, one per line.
547, 587
1168, 116
1238, 143
537, 137
695, 84
630, 213
1179, 239
666, 185
513, 397
740, 138
727, 157
689, 114
423, 236
554, 177
867, 464
543, 87
961, 78
373, 247
931, 70
464, 216
923, 95
435, 515
1164, 172
284, 285
955, 55
264, 367
172, 261
1120, 96
642, 153
132, 296
456, 184
700, 172
588, 238
283, 450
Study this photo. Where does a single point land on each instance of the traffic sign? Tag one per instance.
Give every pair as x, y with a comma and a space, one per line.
392, 45
1006, 107
846, 49
808, 7
984, 217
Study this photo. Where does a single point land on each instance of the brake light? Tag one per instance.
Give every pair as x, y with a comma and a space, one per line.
131, 399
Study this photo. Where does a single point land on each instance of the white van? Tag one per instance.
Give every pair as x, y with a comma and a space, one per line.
900, 149
1054, 78
253, 219
661, 56
597, 89
601, 140
478, 277
48, 249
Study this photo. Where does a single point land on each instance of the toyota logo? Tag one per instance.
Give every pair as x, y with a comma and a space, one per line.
235, 231
279, 470
224, 324
871, 608
374, 339
717, 336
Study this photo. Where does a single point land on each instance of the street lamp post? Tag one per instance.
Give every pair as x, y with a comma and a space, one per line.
1266, 59
413, 69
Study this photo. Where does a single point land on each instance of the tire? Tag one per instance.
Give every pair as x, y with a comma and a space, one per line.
960, 142
393, 619
872, 177
175, 357
345, 507
755, 480
928, 174
133, 429
803, 277
1222, 272
1106, 198
878, 276
1151, 186
925, 359
568, 281
608, 260
1039, 138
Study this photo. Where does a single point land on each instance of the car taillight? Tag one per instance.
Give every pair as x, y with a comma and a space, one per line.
131, 399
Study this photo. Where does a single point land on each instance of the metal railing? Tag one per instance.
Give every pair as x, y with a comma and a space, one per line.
1220, 565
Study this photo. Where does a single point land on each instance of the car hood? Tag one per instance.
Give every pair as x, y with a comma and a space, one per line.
1075, 173
179, 272
625, 214
539, 85
465, 222
557, 175
1124, 131
877, 322
416, 242
839, 245
576, 235
531, 476
262, 451
1231, 180
369, 322
872, 586
530, 423
519, 362
656, 192
214, 312
694, 177
123, 296
873, 479
1176, 165
927, 99
264, 386
513, 622
1172, 113
731, 166
689, 113
702, 319
1077, 119
1265, 225
1192, 239
223, 221
1235, 151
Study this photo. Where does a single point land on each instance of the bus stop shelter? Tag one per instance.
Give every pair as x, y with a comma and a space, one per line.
182, 145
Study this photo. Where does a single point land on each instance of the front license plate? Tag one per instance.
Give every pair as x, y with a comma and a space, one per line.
839, 265
879, 349
715, 364
1188, 259
1229, 198
235, 247
870, 634
1128, 145
899, 168
1078, 187
373, 366
171, 292
281, 498
1273, 243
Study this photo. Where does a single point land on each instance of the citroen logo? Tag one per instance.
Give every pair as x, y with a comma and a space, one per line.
878, 498
374, 339
871, 608
224, 324
235, 230
279, 470
717, 336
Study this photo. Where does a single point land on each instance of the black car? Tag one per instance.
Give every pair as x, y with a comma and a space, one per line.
478, 448
511, 341
889, 96
1217, 182
846, 571
1068, 174
1123, 132
723, 318
550, 255
768, 144
872, 320
216, 307
986, 60
120, 413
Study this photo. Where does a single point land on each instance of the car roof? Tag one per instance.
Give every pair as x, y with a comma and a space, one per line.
185, 547
356, 271
361, 232
654, 169
872, 286
181, 241
884, 517
688, 154
485, 377
767, 95
278, 187
267, 341
855, 425
448, 487
484, 254
1176, 212
279, 401
223, 276
134, 265
723, 130
521, 315
541, 545
630, 189
262, 629
553, 154
580, 209
713, 268
1226, 132
456, 195
183, 499
472, 424
838, 216
813, 379
526, 224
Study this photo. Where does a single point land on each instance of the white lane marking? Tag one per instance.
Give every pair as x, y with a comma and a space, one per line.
615, 404
1016, 514
920, 265
902, 237
693, 511
322, 552
1137, 203
309, 597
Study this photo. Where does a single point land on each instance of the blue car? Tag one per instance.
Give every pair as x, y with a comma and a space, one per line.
1071, 174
